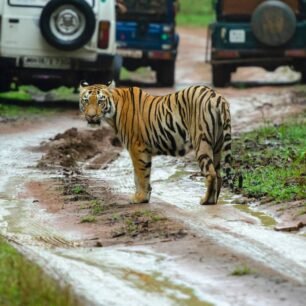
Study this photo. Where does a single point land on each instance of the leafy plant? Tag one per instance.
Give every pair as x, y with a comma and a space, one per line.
78, 189
88, 219
241, 271
96, 207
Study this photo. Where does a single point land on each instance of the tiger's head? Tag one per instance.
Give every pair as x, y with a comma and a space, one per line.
96, 102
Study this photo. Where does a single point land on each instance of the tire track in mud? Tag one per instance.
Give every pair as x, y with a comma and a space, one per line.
166, 170
238, 231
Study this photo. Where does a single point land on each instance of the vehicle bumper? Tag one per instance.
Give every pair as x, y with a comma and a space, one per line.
47, 78
222, 39
138, 54
104, 62
150, 58
258, 57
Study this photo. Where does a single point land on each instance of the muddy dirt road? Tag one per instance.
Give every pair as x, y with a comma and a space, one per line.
71, 215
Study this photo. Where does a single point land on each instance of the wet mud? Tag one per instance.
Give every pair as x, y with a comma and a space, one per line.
105, 216
64, 203
71, 147
102, 218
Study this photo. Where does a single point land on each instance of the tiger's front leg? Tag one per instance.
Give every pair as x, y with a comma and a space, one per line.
142, 161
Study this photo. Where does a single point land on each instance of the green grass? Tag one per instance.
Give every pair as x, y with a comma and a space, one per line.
25, 93
241, 271
96, 207
78, 189
13, 111
137, 222
134, 221
272, 161
195, 13
21, 94
88, 219
22, 283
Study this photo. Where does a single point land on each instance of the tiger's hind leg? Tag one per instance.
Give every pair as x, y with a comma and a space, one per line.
205, 158
142, 160
217, 164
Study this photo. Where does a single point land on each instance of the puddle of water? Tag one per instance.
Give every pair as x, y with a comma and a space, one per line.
170, 179
131, 276
16, 226
125, 276
156, 283
264, 219
102, 276
149, 272
22, 220
226, 224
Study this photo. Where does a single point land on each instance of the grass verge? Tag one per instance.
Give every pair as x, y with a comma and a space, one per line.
21, 94
13, 111
24, 283
272, 161
27, 92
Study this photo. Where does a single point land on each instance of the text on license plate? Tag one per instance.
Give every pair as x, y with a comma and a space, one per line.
237, 36
46, 62
130, 53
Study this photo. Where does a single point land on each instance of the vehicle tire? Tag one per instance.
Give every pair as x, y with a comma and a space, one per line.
98, 77
5, 84
221, 75
165, 73
273, 23
67, 24
303, 73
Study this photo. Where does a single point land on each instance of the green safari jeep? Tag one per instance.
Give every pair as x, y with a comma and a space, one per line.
265, 33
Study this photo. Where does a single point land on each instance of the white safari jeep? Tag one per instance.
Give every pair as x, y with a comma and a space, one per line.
49, 43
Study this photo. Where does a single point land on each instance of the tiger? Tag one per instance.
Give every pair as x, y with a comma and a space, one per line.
196, 118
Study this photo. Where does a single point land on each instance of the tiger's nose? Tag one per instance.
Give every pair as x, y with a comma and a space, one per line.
92, 117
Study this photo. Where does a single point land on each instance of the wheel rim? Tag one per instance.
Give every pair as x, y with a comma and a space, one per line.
67, 23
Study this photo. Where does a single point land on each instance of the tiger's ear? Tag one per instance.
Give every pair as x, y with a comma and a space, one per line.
83, 85
111, 84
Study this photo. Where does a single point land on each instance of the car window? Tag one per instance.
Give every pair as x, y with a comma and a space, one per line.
155, 10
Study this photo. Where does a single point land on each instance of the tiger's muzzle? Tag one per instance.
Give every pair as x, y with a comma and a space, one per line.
93, 120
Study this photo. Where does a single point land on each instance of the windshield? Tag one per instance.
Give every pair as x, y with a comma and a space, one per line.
155, 10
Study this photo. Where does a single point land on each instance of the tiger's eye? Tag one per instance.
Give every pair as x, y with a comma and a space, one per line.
101, 101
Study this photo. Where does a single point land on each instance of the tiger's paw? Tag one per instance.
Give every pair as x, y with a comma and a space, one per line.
140, 197
206, 200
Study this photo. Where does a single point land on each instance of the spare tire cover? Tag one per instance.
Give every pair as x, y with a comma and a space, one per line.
67, 24
273, 23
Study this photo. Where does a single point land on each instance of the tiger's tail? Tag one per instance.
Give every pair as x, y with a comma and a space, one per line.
227, 143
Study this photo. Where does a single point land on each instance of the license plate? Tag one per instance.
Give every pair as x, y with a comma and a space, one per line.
46, 62
130, 53
237, 36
